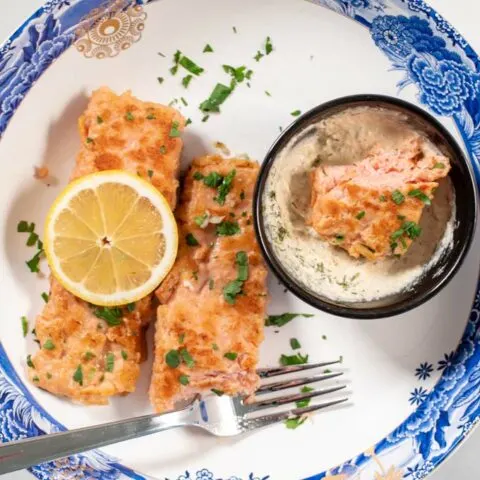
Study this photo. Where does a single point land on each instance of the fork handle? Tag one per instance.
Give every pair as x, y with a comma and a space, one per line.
25, 453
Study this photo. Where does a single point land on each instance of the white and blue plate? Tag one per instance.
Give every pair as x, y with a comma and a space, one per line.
415, 378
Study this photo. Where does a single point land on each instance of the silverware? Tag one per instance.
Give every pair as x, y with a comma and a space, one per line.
222, 416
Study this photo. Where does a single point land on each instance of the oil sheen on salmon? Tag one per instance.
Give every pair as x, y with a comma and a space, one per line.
344, 139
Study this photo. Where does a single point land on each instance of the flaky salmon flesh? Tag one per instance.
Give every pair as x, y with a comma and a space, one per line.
210, 322
372, 208
81, 356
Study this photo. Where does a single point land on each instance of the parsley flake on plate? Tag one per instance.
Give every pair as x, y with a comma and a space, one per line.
49, 345
208, 48
24, 325
174, 131
283, 319
219, 94
295, 344
295, 422
231, 355
184, 379
297, 359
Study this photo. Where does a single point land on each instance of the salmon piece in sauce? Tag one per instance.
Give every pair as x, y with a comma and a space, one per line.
215, 334
372, 208
81, 356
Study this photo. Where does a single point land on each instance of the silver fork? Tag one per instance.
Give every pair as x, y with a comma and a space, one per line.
222, 416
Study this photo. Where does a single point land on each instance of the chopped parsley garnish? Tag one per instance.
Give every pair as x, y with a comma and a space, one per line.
439, 165
89, 140
88, 356
160, 80
186, 80
172, 359
242, 195
187, 358
227, 229
267, 93
231, 290
151, 116
293, 423
383, 198
32, 239
258, 56
174, 131
212, 180
99, 119
49, 345
398, 197
283, 319
225, 187
195, 275
184, 379
129, 116
231, 356
208, 48
49, 375
24, 226
163, 149
150, 173
211, 284
242, 266
234, 29
188, 122
306, 402
410, 229
360, 215
29, 361
295, 344
205, 118
184, 101
112, 315
191, 240
78, 375
295, 113
324, 337
200, 219
131, 307
417, 193
32, 264
219, 94
238, 74
198, 176
45, 296
214, 346
24, 326
35, 378
124, 354
109, 362
297, 359
181, 338
217, 392
268, 46
339, 237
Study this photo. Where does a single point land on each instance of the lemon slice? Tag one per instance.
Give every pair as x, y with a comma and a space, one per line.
110, 238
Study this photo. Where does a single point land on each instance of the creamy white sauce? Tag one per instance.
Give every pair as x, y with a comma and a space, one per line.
327, 270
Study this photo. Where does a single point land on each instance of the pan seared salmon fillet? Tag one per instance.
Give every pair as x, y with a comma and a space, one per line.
211, 320
372, 208
86, 353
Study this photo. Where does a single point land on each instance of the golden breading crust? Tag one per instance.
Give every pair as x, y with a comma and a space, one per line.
194, 315
90, 360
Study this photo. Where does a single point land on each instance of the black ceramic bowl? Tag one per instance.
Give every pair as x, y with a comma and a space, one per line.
466, 212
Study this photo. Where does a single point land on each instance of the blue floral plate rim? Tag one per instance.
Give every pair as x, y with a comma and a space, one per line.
446, 73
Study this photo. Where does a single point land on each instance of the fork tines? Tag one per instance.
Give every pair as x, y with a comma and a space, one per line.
294, 398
